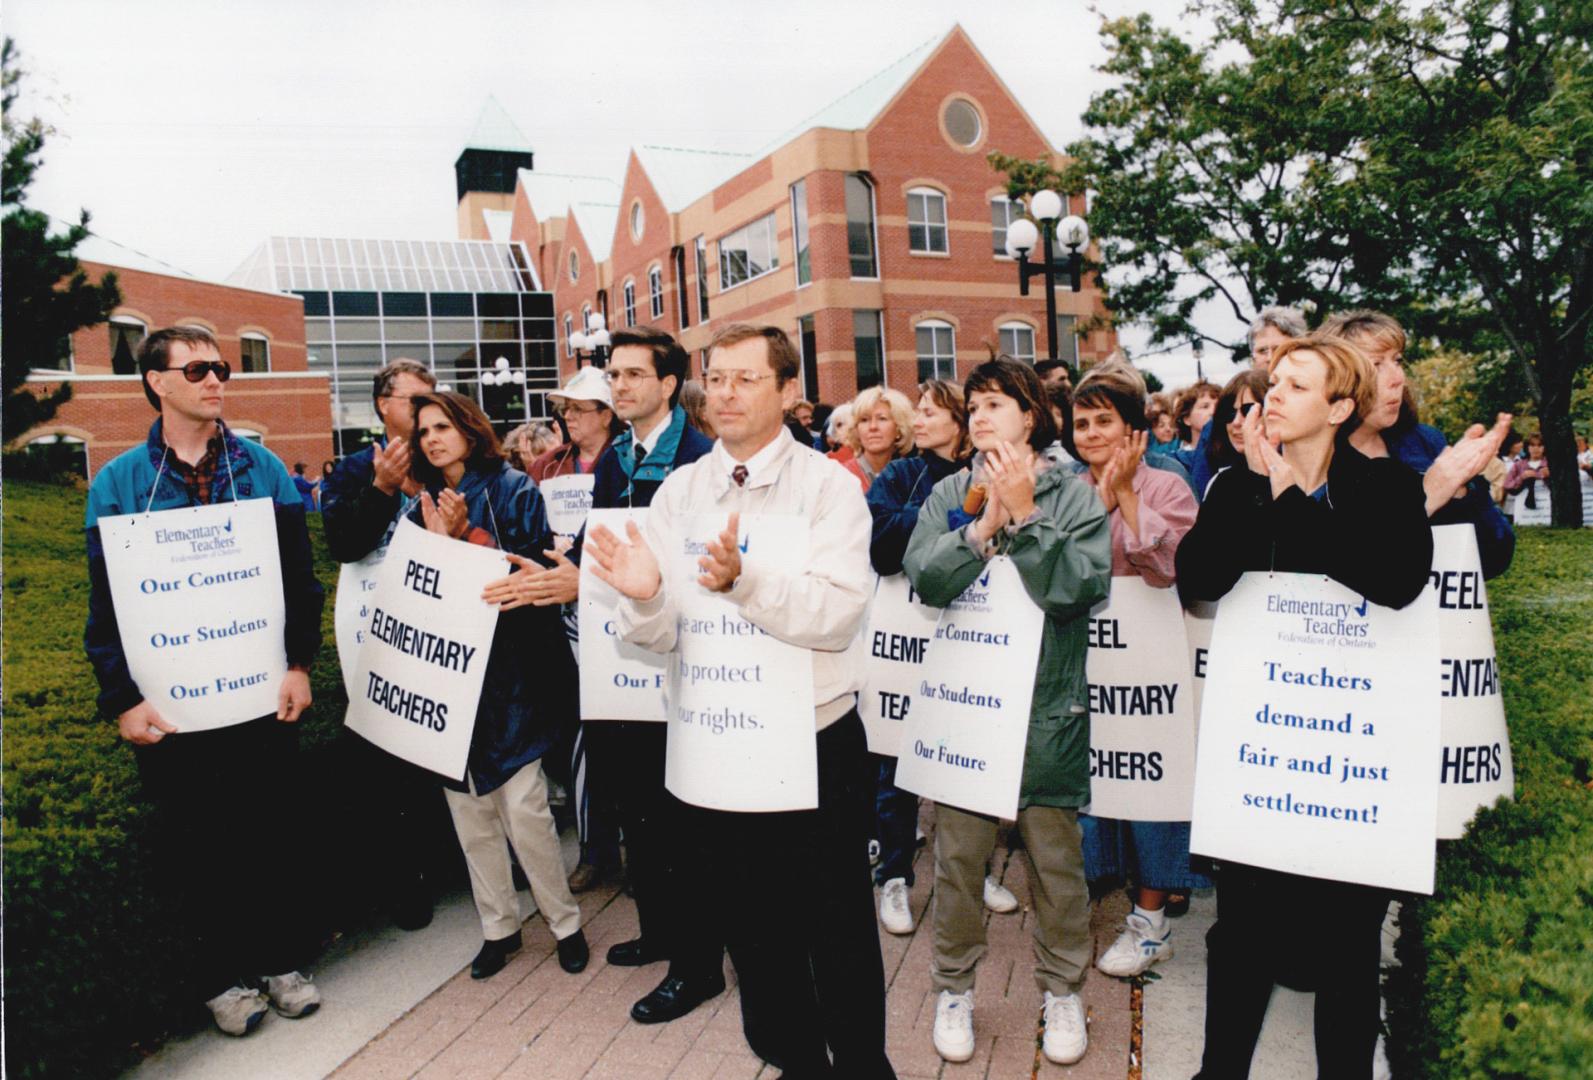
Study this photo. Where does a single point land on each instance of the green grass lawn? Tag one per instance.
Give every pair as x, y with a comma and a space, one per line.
1496, 983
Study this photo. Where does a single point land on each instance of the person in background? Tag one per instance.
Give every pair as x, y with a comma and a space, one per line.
802, 413
695, 401
587, 409
327, 468
304, 486
821, 422
1054, 374
838, 432
1193, 410
515, 449
1313, 507
1521, 480
1163, 424
242, 903
472, 494
1509, 451
1451, 475
1055, 531
882, 431
1150, 510
1244, 392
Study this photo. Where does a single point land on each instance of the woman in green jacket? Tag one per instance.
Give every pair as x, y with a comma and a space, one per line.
1055, 530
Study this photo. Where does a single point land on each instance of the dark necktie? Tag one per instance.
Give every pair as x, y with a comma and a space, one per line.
739, 475
641, 453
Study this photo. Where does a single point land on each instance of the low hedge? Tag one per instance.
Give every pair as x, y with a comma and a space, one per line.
1495, 978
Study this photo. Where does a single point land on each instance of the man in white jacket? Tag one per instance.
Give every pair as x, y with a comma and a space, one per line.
807, 956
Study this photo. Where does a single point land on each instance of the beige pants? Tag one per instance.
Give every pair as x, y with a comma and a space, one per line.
1053, 842
519, 811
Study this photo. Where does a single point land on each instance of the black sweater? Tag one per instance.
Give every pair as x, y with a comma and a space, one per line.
1370, 533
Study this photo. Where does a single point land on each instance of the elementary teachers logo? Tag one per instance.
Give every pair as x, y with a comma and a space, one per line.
1318, 622
200, 542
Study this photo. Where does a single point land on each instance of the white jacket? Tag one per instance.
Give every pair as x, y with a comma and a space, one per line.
819, 606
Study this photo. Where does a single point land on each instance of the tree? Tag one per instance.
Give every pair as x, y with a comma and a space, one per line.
46, 294
1431, 161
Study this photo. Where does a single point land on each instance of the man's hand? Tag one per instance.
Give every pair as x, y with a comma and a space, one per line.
722, 565
535, 584
392, 466
143, 726
628, 565
294, 696
1446, 478
448, 516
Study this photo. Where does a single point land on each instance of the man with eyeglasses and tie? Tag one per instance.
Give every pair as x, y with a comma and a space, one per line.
806, 951
225, 798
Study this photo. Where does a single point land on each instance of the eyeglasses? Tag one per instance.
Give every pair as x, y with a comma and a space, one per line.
584, 410
629, 376
196, 370
742, 380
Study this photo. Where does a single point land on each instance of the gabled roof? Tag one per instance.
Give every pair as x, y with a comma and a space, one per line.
495, 131
593, 199
597, 221
682, 175
95, 248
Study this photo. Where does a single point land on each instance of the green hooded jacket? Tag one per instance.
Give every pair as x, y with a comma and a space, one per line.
1064, 557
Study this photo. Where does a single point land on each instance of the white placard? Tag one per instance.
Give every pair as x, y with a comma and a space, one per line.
418, 679
740, 701
1540, 512
1318, 734
351, 610
966, 734
1142, 715
898, 632
1198, 620
619, 681
1587, 499
198, 597
1475, 767
569, 500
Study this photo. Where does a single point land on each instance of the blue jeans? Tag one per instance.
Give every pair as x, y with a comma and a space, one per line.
896, 822
1151, 854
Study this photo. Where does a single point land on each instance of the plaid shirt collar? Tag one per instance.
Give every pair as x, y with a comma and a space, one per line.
198, 478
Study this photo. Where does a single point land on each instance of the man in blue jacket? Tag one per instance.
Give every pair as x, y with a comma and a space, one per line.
239, 875
646, 367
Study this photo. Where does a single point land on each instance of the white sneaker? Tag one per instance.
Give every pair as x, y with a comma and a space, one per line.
894, 914
1066, 1037
238, 1011
954, 1038
292, 995
873, 852
1137, 948
998, 897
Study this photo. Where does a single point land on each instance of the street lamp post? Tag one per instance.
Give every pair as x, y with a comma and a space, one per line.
591, 345
1022, 235
1198, 347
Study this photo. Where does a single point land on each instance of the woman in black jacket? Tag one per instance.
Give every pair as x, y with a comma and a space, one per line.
1306, 501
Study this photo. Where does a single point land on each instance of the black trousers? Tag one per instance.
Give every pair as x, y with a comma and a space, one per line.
1304, 932
807, 952
627, 770
228, 850
400, 839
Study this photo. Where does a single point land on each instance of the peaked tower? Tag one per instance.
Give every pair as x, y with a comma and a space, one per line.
486, 169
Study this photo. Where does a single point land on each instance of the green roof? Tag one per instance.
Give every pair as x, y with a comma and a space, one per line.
495, 131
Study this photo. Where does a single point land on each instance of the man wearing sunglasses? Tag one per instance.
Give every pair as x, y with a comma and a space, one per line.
230, 869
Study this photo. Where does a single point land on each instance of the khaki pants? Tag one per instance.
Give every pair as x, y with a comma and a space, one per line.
1051, 838
519, 811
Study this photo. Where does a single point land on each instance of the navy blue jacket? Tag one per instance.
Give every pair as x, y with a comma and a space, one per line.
529, 691
1418, 446
609, 480
355, 514
894, 498
123, 486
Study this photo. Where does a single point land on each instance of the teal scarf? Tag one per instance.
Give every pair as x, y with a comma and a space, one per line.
658, 463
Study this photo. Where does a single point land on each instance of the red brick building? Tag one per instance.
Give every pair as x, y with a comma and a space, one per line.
272, 397
874, 234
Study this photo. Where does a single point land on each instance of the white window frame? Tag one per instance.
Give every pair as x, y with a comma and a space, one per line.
630, 301
569, 334
801, 233
638, 220
143, 330
884, 346
936, 358
998, 238
1014, 327
655, 291
262, 339
700, 250
922, 196
873, 227
738, 240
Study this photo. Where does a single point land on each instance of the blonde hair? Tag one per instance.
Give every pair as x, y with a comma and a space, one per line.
1366, 329
1349, 372
901, 412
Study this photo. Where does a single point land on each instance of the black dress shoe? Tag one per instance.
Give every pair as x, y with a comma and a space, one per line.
493, 955
634, 953
674, 998
573, 953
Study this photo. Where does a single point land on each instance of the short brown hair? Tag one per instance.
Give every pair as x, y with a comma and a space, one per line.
1366, 328
1186, 400
783, 357
948, 395
1115, 384
668, 357
1349, 372
1220, 451
155, 351
481, 441
382, 382
1019, 382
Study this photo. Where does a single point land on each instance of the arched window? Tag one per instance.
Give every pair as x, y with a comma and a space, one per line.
255, 352
1003, 212
569, 334
59, 454
1017, 341
926, 222
630, 303
655, 291
638, 220
937, 350
127, 333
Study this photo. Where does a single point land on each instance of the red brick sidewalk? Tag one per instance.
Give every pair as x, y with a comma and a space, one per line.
533, 1021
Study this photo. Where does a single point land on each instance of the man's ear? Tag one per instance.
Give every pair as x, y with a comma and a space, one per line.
788, 394
153, 384
673, 384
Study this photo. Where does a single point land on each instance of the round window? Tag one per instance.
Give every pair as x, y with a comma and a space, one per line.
575, 266
962, 122
638, 222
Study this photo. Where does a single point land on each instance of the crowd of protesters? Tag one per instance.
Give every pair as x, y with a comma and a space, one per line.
1311, 460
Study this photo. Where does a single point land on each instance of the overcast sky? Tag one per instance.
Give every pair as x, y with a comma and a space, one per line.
193, 130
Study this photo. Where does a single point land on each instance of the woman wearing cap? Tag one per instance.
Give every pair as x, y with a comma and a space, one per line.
1305, 501
587, 410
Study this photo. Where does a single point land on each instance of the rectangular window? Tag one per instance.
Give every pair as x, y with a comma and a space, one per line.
680, 287
937, 351
630, 303
1067, 339
702, 279
926, 222
655, 292
868, 343
1017, 341
808, 334
569, 335
860, 226
747, 253
1003, 212
799, 231
255, 353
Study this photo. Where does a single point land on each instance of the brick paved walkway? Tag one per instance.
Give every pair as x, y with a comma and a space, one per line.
534, 1021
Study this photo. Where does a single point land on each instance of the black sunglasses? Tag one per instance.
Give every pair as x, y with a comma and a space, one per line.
1244, 410
196, 370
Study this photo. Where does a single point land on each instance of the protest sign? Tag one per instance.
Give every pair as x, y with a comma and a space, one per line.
1318, 734
420, 669
1198, 620
740, 701
1587, 500
898, 632
1475, 767
352, 609
1142, 717
619, 681
569, 500
198, 597
1540, 512
966, 733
